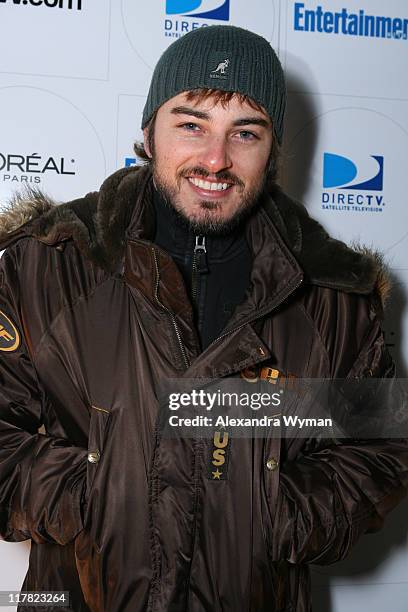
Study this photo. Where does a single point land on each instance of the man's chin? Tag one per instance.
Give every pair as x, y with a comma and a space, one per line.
200, 221
209, 224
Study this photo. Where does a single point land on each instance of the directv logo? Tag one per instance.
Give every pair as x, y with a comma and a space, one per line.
347, 23
218, 10
339, 171
205, 9
342, 174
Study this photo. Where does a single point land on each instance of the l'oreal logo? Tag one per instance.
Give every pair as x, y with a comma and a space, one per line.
34, 163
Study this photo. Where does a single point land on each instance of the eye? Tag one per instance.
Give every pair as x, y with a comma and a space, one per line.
190, 127
246, 135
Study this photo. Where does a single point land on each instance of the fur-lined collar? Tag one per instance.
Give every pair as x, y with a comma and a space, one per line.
98, 224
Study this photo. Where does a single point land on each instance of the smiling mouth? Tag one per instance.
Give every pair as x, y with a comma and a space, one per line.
210, 185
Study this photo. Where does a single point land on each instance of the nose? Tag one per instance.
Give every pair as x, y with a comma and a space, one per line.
215, 155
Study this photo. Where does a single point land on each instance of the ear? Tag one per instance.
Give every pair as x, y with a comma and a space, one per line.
146, 141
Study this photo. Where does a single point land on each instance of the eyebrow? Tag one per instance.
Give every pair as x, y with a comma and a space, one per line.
192, 112
253, 121
186, 110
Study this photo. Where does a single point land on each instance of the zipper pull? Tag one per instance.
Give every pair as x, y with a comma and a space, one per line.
200, 255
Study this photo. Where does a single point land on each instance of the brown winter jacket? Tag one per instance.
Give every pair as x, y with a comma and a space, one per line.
93, 315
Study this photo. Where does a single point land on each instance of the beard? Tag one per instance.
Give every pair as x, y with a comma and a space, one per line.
209, 223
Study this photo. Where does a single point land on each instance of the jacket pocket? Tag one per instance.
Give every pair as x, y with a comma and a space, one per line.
97, 432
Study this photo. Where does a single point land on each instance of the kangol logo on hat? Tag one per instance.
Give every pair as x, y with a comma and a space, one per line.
220, 70
9, 336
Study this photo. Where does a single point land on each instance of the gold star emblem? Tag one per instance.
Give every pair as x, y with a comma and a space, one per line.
216, 475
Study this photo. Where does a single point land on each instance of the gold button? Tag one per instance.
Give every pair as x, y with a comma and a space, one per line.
271, 464
94, 457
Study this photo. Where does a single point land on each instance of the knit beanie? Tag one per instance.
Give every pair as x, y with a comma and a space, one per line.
220, 57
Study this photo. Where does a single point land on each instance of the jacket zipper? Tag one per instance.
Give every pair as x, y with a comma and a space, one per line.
169, 313
199, 267
199, 250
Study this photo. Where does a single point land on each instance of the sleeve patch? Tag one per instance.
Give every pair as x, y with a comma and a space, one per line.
9, 336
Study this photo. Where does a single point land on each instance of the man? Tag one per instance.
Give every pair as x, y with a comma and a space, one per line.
193, 266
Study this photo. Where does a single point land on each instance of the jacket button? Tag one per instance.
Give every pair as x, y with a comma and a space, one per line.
94, 457
272, 464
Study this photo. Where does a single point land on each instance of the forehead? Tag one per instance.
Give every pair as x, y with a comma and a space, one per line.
235, 106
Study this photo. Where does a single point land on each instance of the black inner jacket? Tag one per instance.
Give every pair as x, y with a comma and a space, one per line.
215, 269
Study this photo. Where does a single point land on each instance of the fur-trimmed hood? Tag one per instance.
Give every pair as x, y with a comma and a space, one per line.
98, 223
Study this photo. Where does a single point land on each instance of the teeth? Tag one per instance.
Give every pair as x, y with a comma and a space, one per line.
209, 186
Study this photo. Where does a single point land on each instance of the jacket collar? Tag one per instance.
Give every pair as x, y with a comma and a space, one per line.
326, 261
101, 222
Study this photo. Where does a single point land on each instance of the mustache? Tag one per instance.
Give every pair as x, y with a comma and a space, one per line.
220, 176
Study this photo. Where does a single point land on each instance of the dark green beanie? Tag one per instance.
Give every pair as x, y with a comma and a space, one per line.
220, 57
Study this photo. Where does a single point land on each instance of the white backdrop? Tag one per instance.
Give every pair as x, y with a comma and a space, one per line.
73, 79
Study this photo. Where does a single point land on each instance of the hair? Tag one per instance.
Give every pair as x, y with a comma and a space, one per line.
222, 97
